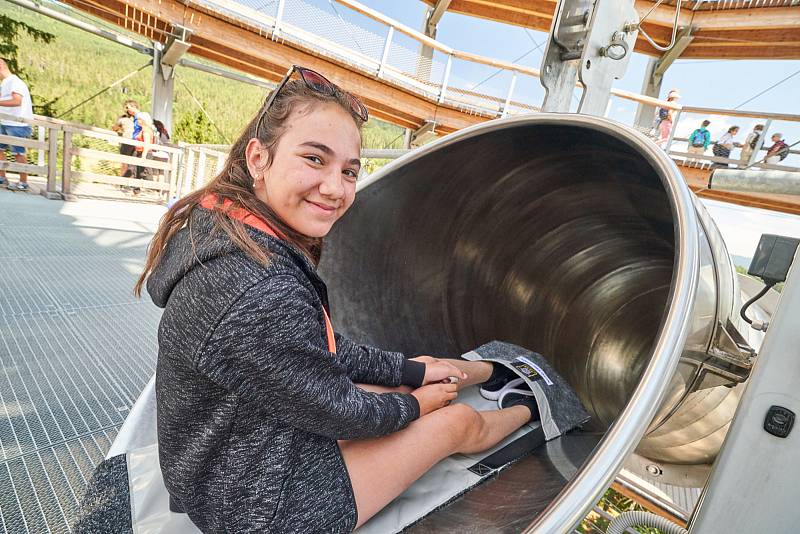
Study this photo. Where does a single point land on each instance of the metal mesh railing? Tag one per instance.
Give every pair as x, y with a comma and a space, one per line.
379, 48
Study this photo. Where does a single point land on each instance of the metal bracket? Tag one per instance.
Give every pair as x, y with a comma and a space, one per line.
728, 361
423, 134
568, 34
606, 53
173, 51
590, 39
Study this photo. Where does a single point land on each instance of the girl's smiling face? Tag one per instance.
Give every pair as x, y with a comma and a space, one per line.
311, 181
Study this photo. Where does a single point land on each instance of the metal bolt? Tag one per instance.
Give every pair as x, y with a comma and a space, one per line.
654, 470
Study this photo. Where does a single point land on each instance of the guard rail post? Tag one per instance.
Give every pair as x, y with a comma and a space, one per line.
66, 167
446, 77
386, 46
510, 92
52, 164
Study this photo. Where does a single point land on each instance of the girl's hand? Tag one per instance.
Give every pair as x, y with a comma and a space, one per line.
438, 370
434, 396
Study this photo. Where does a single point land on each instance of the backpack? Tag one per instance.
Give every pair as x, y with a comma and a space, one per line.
698, 138
663, 114
783, 152
754, 141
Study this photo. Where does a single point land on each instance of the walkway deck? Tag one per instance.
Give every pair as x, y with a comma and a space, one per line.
76, 347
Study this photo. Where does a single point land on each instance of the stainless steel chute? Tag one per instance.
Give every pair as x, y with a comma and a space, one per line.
570, 235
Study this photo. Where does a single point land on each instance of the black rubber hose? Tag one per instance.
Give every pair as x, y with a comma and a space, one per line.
755, 298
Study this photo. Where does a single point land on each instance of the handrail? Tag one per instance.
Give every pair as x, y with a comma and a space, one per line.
266, 21
741, 113
402, 28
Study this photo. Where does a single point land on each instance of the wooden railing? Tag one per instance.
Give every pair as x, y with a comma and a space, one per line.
66, 158
757, 157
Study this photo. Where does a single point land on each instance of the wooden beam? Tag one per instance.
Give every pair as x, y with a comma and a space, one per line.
751, 18
534, 14
246, 50
729, 33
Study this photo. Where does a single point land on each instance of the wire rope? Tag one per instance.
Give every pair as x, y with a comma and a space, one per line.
202, 109
76, 106
768, 89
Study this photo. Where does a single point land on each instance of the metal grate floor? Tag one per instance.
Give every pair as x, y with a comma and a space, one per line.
76, 347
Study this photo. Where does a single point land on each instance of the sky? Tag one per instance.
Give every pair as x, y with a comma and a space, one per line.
702, 83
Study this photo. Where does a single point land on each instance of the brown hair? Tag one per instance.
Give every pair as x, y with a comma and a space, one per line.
235, 184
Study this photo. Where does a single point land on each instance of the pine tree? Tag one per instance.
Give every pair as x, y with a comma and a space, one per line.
196, 128
9, 30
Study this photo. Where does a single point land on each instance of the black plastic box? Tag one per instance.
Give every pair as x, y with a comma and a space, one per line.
773, 257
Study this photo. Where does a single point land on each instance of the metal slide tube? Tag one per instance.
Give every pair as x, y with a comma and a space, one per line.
571, 235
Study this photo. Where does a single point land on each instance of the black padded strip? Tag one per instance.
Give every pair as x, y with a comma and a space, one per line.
510, 453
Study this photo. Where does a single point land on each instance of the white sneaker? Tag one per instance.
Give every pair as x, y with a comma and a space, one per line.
508, 395
494, 395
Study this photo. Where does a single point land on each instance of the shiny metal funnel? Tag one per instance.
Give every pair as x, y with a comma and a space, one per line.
570, 235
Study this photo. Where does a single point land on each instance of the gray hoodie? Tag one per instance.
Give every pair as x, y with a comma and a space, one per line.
250, 402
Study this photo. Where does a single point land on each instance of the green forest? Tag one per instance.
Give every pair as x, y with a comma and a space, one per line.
75, 65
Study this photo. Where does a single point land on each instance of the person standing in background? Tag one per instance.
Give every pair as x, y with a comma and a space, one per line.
15, 99
700, 139
664, 119
124, 127
162, 134
778, 151
724, 145
750, 143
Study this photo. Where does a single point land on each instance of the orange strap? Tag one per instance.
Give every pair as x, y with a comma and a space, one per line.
210, 202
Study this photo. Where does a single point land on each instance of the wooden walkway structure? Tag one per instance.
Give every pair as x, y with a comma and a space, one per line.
744, 29
399, 85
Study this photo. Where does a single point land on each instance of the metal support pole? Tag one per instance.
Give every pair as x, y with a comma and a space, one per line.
645, 113
163, 89
407, 138
276, 30
760, 143
672, 131
386, 46
446, 77
510, 92
432, 17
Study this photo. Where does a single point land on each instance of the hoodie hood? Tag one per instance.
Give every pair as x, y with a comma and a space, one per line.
199, 242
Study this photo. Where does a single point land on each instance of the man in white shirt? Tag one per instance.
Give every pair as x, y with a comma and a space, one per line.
15, 99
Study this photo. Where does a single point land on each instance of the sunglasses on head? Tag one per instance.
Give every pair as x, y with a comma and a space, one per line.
320, 84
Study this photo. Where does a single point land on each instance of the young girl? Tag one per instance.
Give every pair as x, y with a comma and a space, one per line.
267, 420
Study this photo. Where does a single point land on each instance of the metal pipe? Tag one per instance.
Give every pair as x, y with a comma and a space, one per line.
756, 181
106, 34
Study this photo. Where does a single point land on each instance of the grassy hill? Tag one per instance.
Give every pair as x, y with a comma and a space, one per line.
77, 65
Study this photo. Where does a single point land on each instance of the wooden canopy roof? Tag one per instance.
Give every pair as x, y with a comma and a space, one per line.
742, 29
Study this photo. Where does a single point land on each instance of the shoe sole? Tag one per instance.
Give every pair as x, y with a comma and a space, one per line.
495, 395
526, 392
